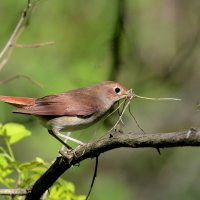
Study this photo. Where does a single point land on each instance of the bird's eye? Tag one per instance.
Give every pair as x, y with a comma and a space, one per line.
117, 90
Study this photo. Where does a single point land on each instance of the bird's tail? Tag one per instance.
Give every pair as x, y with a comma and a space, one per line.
18, 101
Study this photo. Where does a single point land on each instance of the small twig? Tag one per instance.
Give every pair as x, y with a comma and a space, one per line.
18, 177
120, 117
94, 176
8, 48
20, 23
120, 112
5, 60
116, 109
12, 78
124, 103
38, 45
14, 192
129, 109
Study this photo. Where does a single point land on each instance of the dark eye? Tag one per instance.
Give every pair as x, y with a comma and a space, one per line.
117, 90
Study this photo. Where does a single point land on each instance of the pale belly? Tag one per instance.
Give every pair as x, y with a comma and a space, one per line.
68, 123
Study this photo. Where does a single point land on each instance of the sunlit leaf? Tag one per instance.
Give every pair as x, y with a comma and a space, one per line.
40, 160
7, 172
81, 197
70, 187
39, 170
29, 165
15, 132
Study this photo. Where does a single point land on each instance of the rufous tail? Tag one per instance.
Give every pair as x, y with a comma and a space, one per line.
18, 101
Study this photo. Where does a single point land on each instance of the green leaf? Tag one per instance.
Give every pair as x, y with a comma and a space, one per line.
70, 187
15, 132
3, 161
40, 160
39, 170
81, 197
33, 164
6, 172
3, 181
28, 165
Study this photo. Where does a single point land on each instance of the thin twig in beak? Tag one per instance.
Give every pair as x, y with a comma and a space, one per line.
157, 99
120, 117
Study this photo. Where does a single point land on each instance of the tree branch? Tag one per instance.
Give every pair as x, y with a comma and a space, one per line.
109, 142
14, 192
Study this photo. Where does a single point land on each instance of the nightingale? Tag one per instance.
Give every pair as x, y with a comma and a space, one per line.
71, 110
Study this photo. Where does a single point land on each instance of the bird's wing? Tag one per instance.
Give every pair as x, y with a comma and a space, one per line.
67, 104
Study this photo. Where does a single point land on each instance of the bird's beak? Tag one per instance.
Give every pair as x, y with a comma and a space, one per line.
130, 94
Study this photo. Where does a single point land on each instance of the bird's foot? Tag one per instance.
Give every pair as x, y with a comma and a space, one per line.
73, 151
70, 153
66, 156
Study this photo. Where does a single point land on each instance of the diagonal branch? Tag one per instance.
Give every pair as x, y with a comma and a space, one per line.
117, 140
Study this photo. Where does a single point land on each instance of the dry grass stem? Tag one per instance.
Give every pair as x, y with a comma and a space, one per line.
38, 45
157, 99
12, 78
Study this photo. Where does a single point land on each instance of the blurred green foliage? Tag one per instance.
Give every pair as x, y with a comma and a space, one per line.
14, 174
159, 58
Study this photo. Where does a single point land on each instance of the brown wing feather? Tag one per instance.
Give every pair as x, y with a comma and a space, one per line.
68, 104
18, 101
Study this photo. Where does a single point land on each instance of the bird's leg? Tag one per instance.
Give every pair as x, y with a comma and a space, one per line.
57, 133
54, 134
66, 139
70, 153
70, 138
63, 146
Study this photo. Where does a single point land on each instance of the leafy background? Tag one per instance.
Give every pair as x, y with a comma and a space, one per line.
160, 57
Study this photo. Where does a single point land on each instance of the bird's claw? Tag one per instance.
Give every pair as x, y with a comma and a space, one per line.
73, 151
70, 153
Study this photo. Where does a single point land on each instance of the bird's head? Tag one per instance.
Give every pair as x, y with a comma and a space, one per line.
111, 92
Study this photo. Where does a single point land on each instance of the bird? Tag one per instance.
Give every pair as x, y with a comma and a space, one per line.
71, 110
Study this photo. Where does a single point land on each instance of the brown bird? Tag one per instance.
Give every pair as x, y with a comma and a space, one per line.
71, 110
